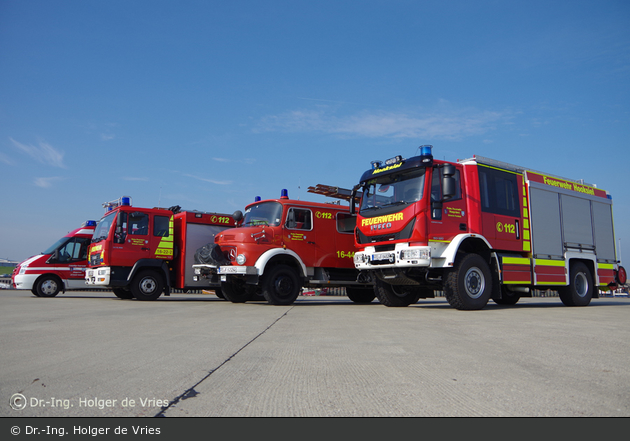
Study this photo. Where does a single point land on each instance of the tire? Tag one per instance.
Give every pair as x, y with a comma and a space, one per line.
48, 286
281, 285
147, 285
507, 297
219, 293
469, 285
122, 293
579, 292
257, 296
360, 295
34, 291
236, 290
397, 295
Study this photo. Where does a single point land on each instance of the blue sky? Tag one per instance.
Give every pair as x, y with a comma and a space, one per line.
207, 104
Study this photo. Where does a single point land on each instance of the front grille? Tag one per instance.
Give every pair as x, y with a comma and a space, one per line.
405, 233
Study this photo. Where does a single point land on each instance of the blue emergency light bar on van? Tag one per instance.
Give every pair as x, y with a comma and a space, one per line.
122, 201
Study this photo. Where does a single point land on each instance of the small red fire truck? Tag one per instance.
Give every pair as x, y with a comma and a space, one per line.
58, 269
481, 229
282, 246
142, 252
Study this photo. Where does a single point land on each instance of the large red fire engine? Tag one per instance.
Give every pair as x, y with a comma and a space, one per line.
142, 252
282, 246
58, 269
480, 229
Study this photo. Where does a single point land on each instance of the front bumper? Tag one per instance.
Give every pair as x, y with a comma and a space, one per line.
98, 276
24, 281
402, 256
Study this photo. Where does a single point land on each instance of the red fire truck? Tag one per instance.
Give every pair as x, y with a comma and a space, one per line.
58, 269
282, 246
481, 229
142, 252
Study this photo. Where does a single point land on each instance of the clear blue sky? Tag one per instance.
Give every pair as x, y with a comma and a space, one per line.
207, 104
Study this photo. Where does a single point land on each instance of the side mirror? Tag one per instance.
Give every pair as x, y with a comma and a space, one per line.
436, 210
449, 184
449, 187
353, 196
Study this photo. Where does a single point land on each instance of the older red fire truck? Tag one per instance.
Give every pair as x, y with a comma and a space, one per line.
282, 246
142, 252
481, 229
58, 269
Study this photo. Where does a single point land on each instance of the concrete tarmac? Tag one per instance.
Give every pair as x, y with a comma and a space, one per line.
90, 354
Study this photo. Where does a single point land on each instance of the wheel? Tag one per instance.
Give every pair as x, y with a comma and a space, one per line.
34, 291
147, 285
257, 296
122, 293
219, 293
580, 289
507, 297
397, 295
360, 295
236, 290
469, 285
281, 285
48, 286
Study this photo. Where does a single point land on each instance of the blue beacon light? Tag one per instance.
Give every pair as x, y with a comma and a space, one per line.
284, 194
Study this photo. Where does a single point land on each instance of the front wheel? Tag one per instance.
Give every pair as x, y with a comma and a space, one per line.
360, 295
147, 285
122, 293
469, 285
48, 286
281, 286
397, 295
236, 290
580, 289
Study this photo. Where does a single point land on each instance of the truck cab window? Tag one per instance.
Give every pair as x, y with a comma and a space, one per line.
138, 224
499, 192
299, 219
436, 185
346, 222
160, 226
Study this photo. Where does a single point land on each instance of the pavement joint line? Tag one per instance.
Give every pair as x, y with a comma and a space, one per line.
190, 392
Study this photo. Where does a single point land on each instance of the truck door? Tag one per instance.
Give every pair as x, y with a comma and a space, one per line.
134, 241
448, 218
299, 234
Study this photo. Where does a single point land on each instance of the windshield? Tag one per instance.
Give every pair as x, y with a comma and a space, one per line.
102, 229
391, 190
267, 213
56, 245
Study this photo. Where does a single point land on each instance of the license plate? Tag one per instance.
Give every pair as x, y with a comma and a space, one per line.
382, 256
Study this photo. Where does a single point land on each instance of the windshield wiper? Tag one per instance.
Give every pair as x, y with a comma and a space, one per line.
395, 203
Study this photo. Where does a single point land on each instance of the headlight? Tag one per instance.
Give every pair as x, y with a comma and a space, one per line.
102, 272
22, 269
421, 254
359, 258
197, 271
240, 259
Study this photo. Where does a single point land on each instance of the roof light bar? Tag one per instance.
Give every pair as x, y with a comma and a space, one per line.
122, 201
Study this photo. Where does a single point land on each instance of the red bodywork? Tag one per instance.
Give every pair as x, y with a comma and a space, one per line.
320, 244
